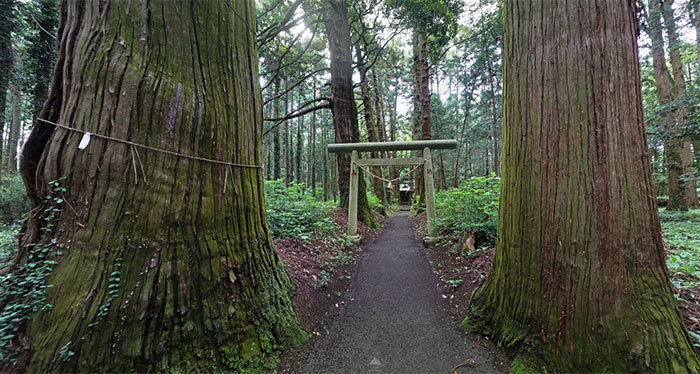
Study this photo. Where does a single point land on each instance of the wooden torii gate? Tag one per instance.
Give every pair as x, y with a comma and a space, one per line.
356, 162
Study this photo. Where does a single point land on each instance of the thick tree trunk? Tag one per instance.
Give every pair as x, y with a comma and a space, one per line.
15, 127
343, 102
664, 94
178, 271
680, 111
579, 281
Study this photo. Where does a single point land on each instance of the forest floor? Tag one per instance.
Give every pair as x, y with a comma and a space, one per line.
392, 318
321, 270
460, 275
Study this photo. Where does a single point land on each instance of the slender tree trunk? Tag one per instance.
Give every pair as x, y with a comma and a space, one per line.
277, 142
370, 124
494, 121
177, 272
287, 146
680, 112
664, 93
579, 270
455, 179
312, 153
421, 102
6, 27
343, 102
299, 150
13, 138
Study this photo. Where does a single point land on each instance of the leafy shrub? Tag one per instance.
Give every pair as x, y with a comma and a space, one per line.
472, 206
293, 214
13, 199
375, 203
682, 236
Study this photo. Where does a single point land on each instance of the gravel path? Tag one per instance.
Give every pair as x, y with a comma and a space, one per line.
391, 321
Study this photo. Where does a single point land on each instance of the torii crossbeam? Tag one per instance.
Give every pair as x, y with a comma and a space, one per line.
356, 162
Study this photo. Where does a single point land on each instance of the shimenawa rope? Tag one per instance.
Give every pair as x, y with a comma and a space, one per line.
149, 147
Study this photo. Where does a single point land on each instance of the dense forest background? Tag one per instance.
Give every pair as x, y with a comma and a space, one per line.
420, 70
465, 85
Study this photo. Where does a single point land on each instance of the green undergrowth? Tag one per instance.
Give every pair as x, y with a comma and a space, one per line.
473, 206
682, 238
294, 213
23, 291
14, 203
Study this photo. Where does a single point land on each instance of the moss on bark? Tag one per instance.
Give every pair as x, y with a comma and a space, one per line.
169, 264
579, 282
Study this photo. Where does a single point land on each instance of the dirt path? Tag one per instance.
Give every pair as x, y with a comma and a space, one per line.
391, 321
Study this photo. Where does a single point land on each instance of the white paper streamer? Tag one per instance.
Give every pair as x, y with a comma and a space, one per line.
84, 141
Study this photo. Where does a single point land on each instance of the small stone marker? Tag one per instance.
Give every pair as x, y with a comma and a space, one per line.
375, 362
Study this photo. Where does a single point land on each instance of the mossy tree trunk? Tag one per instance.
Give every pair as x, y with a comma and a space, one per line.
178, 270
343, 102
579, 282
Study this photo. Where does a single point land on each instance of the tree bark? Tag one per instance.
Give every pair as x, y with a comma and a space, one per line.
299, 150
421, 103
13, 138
664, 94
343, 102
579, 270
288, 170
178, 271
312, 153
370, 123
277, 142
6, 27
680, 111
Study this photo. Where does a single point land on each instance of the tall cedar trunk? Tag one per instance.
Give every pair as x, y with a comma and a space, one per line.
468, 99
664, 94
311, 157
6, 27
393, 171
285, 138
343, 102
680, 112
386, 195
494, 121
15, 126
299, 150
42, 51
199, 285
696, 23
326, 156
370, 124
421, 102
579, 270
277, 142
